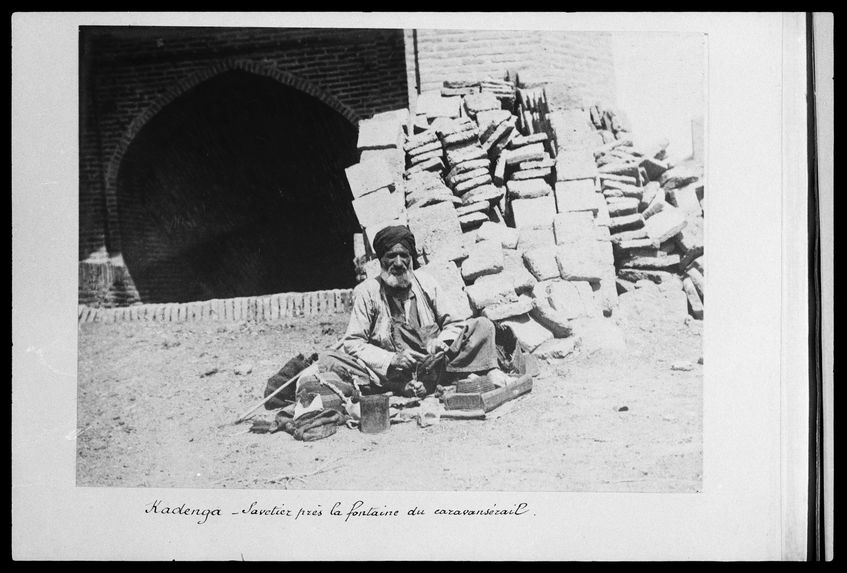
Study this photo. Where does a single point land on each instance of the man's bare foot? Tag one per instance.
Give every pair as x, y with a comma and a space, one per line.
499, 378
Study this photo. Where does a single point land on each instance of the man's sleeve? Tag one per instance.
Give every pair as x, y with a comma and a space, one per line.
356, 340
450, 323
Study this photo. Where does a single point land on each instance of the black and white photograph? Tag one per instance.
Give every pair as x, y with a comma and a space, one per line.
414, 286
432, 259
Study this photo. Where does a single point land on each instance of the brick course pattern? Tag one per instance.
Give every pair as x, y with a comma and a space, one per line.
577, 68
253, 308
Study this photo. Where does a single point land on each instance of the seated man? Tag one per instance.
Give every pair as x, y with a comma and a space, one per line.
401, 329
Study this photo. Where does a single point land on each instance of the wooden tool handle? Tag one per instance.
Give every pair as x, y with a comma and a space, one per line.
293, 379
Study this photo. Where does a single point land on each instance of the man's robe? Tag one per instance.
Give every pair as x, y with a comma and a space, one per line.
371, 337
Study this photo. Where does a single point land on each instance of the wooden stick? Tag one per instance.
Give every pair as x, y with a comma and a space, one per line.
311, 367
463, 415
500, 215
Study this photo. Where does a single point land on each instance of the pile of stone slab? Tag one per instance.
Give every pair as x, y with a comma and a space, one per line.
376, 182
454, 135
532, 110
655, 211
503, 90
453, 88
468, 171
610, 124
539, 232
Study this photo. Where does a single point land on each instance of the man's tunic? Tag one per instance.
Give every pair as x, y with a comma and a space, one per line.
370, 335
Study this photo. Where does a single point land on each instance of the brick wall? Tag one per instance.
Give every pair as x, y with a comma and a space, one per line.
128, 74
576, 67
258, 309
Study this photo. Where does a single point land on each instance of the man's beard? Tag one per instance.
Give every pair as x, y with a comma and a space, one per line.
401, 280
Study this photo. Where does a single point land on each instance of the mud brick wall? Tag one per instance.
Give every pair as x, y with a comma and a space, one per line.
128, 75
577, 68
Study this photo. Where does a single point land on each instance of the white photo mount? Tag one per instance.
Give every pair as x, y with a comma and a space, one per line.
755, 500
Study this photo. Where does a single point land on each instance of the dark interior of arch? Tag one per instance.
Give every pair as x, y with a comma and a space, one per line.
237, 188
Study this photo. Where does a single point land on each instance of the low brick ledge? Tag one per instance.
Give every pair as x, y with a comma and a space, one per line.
249, 308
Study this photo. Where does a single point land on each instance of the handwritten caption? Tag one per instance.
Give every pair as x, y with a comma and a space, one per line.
346, 512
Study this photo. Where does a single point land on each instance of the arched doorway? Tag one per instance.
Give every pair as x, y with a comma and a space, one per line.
237, 188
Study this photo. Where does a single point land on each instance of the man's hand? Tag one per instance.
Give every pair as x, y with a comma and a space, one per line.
414, 389
436, 345
406, 360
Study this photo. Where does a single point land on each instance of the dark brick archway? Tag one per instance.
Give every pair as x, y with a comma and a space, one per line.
233, 185
129, 74
177, 89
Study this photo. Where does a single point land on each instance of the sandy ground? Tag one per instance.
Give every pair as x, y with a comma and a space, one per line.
155, 402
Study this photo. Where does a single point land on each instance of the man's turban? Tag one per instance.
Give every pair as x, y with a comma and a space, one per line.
390, 236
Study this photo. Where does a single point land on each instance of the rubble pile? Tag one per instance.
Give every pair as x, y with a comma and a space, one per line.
538, 220
655, 211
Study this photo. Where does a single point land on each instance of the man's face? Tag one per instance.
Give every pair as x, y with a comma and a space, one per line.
396, 264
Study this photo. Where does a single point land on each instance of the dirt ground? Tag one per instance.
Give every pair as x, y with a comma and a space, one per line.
155, 401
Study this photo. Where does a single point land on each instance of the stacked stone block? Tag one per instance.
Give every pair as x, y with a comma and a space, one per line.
655, 210
537, 231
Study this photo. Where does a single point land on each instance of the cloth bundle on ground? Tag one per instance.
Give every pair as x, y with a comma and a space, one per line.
330, 386
315, 425
286, 373
310, 426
